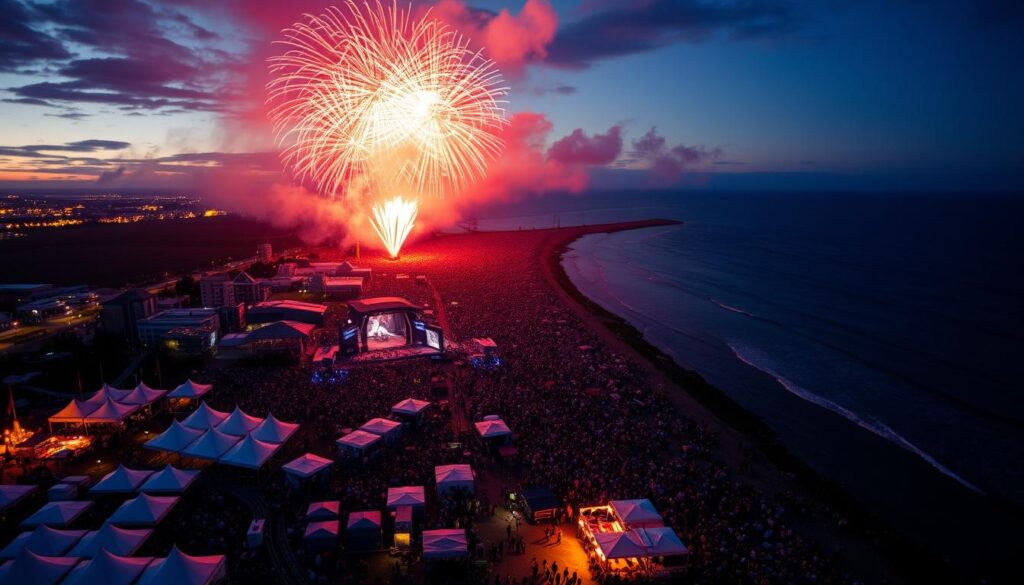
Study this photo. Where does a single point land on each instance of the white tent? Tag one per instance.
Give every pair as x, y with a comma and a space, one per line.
120, 541
358, 440
170, 480
323, 510
175, 439
204, 417
307, 465
637, 513
182, 569
121, 481
454, 478
364, 530
56, 514
212, 445
388, 429
412, 496
661, 541
190, 389
273, 430
239, 423
143, 510
12, 494
36, 569
111, 412
322, 534
619, 545
492, 429
446, 543
250, 453
143, 395
107, 392
74, 412
106, 568
46, 541
410, 407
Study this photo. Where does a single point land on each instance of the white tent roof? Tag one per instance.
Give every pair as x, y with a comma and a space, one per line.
174, 439
323, 510
121, 541
239, 423
446, 543
56, 514
170, 480
75, 411
143, 510
111, 412
212, 445
107, 392
322, 529
36, 569
381, 426
182, 569
620, 545
204, 417
410, 406
489, 429
250, 453
637, 513
406, 496
12, 494
358, 439
121, 481
307, 465
457, 473
46, 541
190, 389
142, 395
661, 541
363, 520
106, 568
273, 430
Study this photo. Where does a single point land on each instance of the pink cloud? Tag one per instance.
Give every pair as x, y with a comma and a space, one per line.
578, 148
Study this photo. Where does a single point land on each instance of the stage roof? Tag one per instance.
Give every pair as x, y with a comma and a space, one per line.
378, 304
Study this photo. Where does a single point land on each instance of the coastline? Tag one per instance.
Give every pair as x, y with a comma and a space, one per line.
871, 548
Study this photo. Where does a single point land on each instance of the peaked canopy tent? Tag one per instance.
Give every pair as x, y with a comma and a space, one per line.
30, 567
109, 569
454, 478
413, 496
357, 442
182, 569
56, 514
636, 513
364, 530
142, 395
661, 541
175, 439
204, 417
169, 480
239, 423
120, 541
111, 412
493, 428
619, 545
306, 466
74, 413
212, 445
321, 535
328, 510
143, 510
249, 453
11, 495
388, 429
272, 430
446, 543
410, 407
190, 390
105, 393
121, 481
43, 540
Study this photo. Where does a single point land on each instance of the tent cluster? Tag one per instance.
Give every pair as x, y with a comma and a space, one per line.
364, 440
629, 529
107, 567
108, 405
235, 438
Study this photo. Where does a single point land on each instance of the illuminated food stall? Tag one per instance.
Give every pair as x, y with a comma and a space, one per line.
630, 536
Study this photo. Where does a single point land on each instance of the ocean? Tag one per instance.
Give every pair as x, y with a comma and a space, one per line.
881, 336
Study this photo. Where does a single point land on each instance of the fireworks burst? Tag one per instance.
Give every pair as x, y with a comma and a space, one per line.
368, 91
393, 220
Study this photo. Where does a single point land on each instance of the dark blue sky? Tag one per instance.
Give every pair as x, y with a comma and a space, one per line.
760, 93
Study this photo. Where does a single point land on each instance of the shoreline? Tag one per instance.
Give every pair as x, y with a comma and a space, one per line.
740, 429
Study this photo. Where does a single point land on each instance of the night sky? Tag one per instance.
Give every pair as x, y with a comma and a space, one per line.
122, 94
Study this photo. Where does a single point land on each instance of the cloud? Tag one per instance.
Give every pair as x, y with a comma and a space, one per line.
107, 177
37, 150
668, 163
578, 148
22, 43
610, 30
